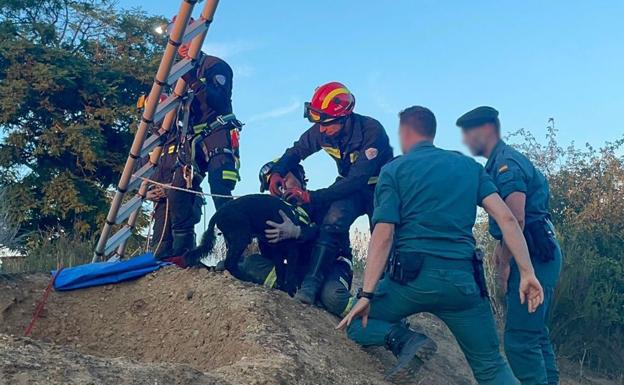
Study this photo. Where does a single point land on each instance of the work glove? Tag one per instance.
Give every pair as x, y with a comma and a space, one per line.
276, 184
156, 194
295, 195
278, 232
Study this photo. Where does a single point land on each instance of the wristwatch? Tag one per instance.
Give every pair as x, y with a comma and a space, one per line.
364, 294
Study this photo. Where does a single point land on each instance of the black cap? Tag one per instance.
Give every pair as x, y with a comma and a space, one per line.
477, 117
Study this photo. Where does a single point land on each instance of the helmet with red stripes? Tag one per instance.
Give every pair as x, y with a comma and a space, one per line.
330, 102
267, 170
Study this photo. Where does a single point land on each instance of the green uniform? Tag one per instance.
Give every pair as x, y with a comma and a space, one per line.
431, 195
527, 342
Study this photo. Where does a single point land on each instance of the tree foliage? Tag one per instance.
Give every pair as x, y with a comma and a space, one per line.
70, 74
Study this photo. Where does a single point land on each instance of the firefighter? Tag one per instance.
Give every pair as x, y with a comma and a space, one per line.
280, 262
209, 146
525, 190
162, 239
360, 147
335, 294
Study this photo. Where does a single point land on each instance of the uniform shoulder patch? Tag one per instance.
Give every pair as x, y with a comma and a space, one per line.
503, 168
371, 153
220, 79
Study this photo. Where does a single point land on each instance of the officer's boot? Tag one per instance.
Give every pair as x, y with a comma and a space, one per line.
322, 255
164, 250
411, 350
183, 241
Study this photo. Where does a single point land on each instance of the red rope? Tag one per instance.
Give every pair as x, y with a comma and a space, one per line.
41, 304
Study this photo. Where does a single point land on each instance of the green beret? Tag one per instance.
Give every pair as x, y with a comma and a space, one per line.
477, 117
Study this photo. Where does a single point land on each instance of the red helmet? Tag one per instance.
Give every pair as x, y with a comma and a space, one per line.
330, 102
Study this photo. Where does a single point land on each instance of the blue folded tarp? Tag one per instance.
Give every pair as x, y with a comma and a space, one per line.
104, 273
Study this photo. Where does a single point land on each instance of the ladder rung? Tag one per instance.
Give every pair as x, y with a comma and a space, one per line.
145, 171
117, 239
194, 29
149, 144
179, 69
163, 108
128, 208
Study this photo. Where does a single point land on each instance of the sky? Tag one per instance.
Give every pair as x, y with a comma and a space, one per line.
531, 60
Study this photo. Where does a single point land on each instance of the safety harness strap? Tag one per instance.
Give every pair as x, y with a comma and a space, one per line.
202, 131
221, 121
271, 279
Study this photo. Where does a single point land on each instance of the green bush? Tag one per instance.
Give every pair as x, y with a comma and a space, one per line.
50, 250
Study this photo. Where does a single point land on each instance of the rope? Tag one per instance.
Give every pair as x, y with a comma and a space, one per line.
205, 215
41, 304
170, 187
149, 230
162, 234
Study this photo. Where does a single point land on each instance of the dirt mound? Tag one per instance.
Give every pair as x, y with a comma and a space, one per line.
26, 361
192, 327
240, 333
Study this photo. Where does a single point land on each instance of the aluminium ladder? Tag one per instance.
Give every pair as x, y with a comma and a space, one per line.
153, 113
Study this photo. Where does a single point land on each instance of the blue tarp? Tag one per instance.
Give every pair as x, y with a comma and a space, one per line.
104, 273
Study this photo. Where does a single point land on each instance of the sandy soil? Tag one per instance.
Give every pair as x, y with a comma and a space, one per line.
192, 327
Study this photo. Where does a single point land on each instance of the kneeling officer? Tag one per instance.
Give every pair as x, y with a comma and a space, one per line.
426, 201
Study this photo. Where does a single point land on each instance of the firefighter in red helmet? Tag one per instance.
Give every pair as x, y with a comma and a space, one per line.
360, 147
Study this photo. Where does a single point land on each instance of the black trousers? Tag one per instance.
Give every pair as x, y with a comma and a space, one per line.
221, 182
162, 239
335, 293
338, 216
185, 208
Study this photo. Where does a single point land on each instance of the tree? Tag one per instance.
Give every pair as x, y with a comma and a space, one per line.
70, 74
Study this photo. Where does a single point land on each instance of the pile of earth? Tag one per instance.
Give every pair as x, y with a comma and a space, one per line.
191, 327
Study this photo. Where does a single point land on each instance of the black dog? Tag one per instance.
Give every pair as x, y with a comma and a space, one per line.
243, 219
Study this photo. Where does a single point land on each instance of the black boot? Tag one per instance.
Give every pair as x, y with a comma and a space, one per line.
164, 250
322, 255
411, 350
183, 241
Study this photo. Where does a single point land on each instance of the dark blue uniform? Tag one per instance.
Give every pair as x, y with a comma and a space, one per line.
261, 268
212, 151
527, 342
360, 149
162, 238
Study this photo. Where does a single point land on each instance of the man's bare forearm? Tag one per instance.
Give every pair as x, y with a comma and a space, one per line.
503, 253
515, 244
512, 234
378, 251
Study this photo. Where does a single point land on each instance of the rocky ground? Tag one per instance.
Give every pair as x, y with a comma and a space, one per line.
193, 327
